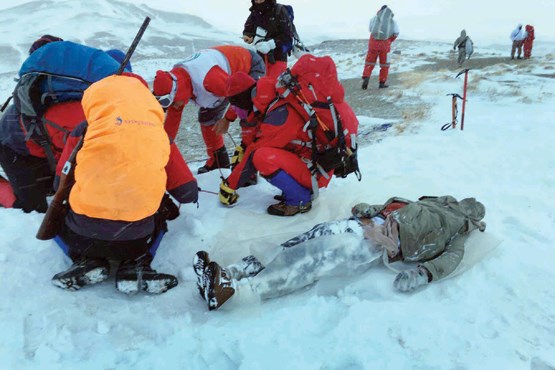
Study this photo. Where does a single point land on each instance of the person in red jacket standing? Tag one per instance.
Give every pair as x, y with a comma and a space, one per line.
201, 78
529, 41
383, 31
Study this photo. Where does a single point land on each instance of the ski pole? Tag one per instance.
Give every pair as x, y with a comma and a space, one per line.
465, 71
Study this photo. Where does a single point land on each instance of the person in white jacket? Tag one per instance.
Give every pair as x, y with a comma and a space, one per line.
518, 36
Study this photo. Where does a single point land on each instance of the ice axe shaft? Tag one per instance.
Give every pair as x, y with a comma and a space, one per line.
133, 46
465, 71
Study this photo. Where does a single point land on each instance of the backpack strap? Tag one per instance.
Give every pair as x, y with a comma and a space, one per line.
36, 131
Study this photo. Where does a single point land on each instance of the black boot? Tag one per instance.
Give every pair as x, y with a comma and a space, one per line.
200, 262
135, 275
83, 272
218, 286
365, 81
383, 85
221, 160
248, 267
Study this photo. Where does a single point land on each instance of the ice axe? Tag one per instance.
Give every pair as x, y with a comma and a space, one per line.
465, 71
454, 112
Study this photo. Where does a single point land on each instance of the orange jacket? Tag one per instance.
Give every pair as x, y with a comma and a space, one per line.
120, 168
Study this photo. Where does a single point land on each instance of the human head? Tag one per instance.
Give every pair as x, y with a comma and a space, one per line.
119, 56
43, 40
172, 87
165, 88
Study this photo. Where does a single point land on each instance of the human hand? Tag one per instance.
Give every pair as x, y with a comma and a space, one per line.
227, 195
221, 126
247, 39
265, 47
409, 280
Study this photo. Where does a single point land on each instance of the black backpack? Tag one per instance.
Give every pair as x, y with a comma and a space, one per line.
297, 43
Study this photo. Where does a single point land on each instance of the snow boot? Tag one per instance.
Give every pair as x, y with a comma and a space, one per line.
297, 197
248, 267
200, 261
219, 159
135, 275
219, 286
83, 272
365, 81
283, 209
383, 85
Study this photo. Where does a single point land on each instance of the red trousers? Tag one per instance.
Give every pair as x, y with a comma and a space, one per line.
371, 58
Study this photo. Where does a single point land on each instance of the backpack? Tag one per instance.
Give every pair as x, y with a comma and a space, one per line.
313, 89
296, 43
55, 73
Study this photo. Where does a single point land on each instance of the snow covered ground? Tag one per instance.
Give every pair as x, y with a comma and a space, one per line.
498, 315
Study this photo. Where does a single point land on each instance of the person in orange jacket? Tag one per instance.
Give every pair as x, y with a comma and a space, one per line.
201, 78
118, 206
383, 31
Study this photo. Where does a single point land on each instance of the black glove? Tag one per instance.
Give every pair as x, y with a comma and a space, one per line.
168, 209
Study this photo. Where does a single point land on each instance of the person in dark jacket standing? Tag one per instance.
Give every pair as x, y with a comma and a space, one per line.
269, 29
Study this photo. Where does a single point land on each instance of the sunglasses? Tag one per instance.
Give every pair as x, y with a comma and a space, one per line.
167, 100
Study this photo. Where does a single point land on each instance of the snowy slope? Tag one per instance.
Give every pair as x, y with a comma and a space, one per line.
498, 315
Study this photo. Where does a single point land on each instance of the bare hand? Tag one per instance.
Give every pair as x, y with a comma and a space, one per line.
221, 126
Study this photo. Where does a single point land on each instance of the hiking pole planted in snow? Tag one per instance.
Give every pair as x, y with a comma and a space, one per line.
57, 209
465, 71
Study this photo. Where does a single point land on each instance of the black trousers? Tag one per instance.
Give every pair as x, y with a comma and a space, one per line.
30, 177
80, 246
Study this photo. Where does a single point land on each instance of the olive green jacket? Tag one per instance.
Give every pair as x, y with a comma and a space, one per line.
433, 230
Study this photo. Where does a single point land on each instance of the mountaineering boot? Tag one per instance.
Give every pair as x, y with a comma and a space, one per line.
135, 275
282, 209
83, 272
248, 267
383, 85
220, 160
365, 81
200, 261
219, 286
297, 198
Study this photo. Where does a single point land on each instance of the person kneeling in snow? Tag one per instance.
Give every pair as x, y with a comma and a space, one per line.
118, 206
430, 232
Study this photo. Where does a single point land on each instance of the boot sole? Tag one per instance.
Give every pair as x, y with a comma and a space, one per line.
216, 295
74, 283
200, 261
156, 285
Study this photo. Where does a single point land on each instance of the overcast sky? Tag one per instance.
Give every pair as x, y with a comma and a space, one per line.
488, 21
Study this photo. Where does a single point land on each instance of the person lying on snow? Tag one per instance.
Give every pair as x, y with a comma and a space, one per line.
118, 206
430, 233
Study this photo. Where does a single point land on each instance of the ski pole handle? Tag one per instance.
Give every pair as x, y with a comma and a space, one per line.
133, 45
